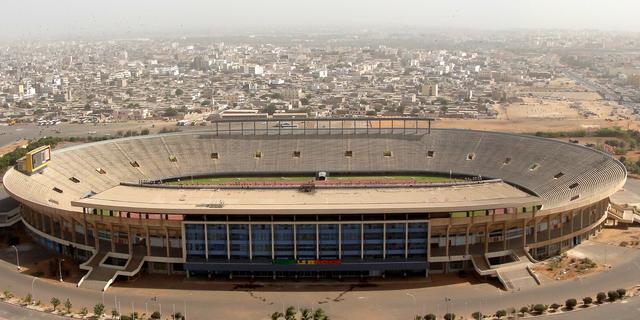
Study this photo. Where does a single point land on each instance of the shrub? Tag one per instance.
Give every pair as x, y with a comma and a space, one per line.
571, 303
7, 294
501, 313
55, 302
524, 310
449, 316
179, 316
125, 317
430, 316
601, 297
587, 301
613, 295
84, 312
477, 315
622, 292
68, 305
554, 306
540, 308
98, 310
155, 315
28, 299
114, 313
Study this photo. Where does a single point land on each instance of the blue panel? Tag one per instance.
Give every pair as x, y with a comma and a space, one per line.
418, 240
283, 245
306, 241
373, 238
351, 241
217, 241
239, 236
395, 240
195, 241
261, 238
329, 241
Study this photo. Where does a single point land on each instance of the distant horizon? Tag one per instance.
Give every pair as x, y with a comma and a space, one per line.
76, 19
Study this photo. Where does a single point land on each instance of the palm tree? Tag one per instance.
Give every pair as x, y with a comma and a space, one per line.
306, 314
290, 314
276, 315
319, 314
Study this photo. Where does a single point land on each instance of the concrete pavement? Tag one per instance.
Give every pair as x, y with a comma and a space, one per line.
213, 301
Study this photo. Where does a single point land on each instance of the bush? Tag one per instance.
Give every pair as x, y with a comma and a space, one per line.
430, 316
571, 303
155, 315
449, 316
524, 310
622, 292
179, 316
477, 315
125, 317
587, 301
613, 295
601, 297
98, 310
28, 299
540, 308
501, 313
84, 312
55, 302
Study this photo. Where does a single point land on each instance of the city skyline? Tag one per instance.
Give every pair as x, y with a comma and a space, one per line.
76, 19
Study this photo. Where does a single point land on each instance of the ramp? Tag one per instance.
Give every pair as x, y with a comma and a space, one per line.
517, 277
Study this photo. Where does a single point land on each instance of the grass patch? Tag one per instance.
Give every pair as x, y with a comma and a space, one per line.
223, 180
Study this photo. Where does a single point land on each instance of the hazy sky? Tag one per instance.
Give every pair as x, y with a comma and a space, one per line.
35, 19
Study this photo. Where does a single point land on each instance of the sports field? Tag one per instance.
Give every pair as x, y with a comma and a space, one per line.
227, 180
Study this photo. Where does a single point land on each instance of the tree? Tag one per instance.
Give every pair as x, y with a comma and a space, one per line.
501, 313
449, 316
477, 315
305, 314
622, 292
290, 314
84, 312
67, 305
176, 316
430, 316
571, 303
170, 112
319, 314
55, 302
601, 297
613, 295
156, 315
587, 301
540, 308
98, 310
276, 315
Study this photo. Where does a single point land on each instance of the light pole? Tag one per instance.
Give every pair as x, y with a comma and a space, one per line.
17, 257
447, 300
415, 304
60, 268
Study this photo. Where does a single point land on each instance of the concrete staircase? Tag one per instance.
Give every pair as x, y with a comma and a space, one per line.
515, 275
100, 276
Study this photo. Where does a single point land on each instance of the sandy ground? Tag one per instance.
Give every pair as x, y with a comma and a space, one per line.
566, 267
624, 237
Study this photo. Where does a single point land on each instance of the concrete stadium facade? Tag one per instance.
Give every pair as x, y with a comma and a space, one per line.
537, 198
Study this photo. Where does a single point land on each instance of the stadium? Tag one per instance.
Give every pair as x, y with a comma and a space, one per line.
316, 198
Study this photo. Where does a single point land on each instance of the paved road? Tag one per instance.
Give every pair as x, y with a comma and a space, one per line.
625, 310
210, 301
13, 312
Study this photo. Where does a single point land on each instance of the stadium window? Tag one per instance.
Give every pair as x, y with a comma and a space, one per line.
348, 153
74, 179
573, 186
214, 155
100, 171
534, 167
58, 190
387, 153
471, 156
173, 158
258, 154
296, 154
430, 153
559, 175
134, 164
507, 161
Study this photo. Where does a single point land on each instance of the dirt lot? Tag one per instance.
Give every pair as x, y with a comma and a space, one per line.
629, 237
566, 267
